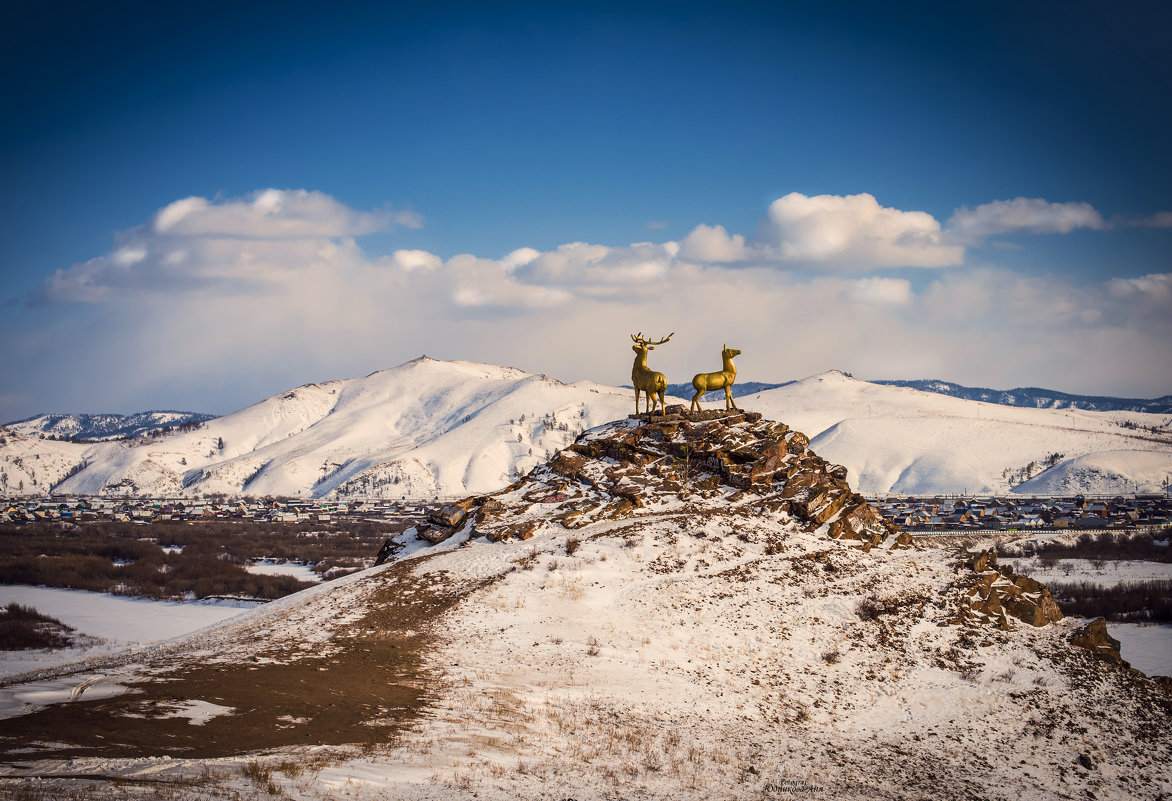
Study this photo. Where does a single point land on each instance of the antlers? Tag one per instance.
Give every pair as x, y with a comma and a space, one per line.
639, 340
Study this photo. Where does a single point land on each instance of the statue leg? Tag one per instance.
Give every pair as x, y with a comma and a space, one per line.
636, 400
696, 400
729, 402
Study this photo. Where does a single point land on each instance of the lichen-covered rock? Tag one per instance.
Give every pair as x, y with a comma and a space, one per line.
1094, 637
704, 460
995, 593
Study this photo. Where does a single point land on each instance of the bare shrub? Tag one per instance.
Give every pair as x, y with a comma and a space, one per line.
260, 774
592, 648
23, 627
572, 545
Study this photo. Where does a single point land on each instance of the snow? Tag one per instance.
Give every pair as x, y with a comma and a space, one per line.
901, 440
432, 428
117, 623
1108, 573
423, 429
1146, 647
269, 567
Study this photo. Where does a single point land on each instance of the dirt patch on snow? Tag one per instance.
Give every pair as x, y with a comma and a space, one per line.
361, 686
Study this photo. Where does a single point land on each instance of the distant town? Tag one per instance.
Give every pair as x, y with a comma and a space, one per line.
960, 514
942, 514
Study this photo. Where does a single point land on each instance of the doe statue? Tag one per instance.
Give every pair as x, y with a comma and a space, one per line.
644, 378
705, 382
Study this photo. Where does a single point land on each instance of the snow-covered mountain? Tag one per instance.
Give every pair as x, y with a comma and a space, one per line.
1037, 398
423, 429
901, 440
106, 426
430, 428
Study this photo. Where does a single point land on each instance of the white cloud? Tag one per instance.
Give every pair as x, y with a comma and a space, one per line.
274, 214
853, 232
1031, 215
712, 243
408, 260
882, 291
1161, 219
1154, 288
263, 312
228, 246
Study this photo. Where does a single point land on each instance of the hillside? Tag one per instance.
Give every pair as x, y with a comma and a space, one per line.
901, 440
671, 608
429, 429
1036, 398
422, 429
105, 426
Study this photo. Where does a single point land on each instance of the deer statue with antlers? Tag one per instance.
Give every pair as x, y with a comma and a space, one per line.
645, 379
705, 382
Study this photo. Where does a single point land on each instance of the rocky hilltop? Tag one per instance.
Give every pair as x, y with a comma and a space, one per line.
673, 606
651, 462
680, 462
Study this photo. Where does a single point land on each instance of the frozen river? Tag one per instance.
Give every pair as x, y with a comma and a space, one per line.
117, 622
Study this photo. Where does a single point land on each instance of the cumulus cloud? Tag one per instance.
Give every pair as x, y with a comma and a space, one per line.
882, 291
712, 243
408, 260
1028, 214
1155, 288
269, 292
241, 245
855, 232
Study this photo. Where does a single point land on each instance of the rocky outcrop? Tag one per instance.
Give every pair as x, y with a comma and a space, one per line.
650, 461
1094, 637
993, 593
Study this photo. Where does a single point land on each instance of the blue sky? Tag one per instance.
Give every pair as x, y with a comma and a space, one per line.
979, 194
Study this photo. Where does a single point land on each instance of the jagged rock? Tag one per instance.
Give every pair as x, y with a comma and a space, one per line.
710, 458
1094, 637
433, 533
385, 552
798, 443
996, 593
568, 463
452, 515
522, 530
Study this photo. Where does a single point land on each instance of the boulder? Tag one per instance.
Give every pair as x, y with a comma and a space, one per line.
450, 516
1094, 637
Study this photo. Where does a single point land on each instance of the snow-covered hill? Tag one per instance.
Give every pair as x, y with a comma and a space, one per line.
1037, 398
423, 429
105, 426
623, 623
430, 428
901, 440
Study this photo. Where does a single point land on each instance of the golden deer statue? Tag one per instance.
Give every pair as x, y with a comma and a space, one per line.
705, 382
644, 378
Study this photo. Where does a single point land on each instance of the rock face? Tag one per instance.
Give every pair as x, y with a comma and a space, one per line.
713, 461
707, 459
994, 593
1094, 637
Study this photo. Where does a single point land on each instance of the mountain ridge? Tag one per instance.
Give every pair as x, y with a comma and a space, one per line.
431, 428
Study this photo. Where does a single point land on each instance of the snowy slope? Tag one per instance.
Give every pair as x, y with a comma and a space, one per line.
104, 426
429, 428
707, 645
422, 429
901, 440
31, 466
